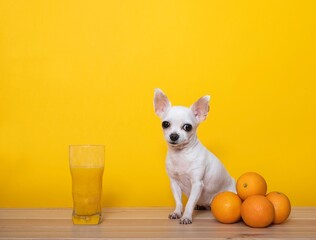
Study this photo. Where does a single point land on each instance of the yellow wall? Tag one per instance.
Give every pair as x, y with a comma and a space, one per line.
76, 72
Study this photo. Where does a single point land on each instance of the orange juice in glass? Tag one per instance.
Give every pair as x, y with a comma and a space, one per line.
86, 167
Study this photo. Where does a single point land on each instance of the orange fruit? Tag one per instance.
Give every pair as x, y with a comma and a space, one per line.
226, 207
249, 184
282, 206
257, 211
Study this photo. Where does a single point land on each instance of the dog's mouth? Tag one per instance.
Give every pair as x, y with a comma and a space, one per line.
178, 145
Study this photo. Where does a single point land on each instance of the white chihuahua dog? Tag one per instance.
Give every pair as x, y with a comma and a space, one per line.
192, 169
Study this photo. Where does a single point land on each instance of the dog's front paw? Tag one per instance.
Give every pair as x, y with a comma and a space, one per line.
174, 215
185, 221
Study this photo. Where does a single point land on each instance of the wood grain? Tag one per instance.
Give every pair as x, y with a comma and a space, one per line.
146, 223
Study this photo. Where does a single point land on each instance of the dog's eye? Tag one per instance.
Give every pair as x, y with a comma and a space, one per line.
187, 127
165, 124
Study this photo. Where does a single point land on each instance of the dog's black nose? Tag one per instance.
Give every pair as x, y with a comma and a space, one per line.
174, 136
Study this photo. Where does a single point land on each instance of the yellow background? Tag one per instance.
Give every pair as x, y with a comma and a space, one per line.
84, 72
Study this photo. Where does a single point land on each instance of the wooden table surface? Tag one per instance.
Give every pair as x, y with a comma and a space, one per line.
146, 223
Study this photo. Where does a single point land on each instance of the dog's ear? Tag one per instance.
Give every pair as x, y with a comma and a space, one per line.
161, 103
200, 108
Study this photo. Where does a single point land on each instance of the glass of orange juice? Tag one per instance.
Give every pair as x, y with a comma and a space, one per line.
86, 167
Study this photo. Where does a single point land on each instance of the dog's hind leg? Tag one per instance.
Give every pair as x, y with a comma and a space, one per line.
200, 207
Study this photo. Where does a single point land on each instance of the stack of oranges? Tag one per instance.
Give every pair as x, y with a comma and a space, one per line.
251, 203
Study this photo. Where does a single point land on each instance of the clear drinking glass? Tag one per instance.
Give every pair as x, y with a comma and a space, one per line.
86, 167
